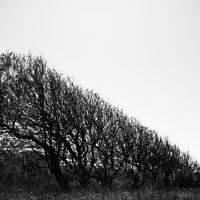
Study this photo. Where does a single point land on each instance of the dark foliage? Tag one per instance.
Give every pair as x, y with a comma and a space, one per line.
49, 125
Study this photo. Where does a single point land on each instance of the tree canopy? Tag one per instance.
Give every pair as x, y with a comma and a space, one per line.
81, 136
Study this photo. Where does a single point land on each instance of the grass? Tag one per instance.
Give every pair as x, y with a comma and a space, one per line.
102, 194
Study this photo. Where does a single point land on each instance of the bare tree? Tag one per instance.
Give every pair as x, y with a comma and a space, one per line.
79, 134
31, 106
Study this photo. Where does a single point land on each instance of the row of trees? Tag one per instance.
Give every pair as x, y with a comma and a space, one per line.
81, 136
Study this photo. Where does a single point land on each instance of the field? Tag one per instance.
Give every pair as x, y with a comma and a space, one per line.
102, 194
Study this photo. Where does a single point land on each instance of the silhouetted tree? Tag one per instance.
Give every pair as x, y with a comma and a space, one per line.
78, 134
31, 98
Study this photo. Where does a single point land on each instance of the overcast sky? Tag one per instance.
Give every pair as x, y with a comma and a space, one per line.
141, 56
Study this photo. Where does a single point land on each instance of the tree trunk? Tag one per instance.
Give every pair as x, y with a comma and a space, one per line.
56, 171
84, 178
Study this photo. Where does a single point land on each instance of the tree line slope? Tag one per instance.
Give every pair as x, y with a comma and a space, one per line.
78, 135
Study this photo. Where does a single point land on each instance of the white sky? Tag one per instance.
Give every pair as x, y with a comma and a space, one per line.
141, 56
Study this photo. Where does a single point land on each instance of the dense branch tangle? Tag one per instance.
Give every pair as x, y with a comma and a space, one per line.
79, 131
